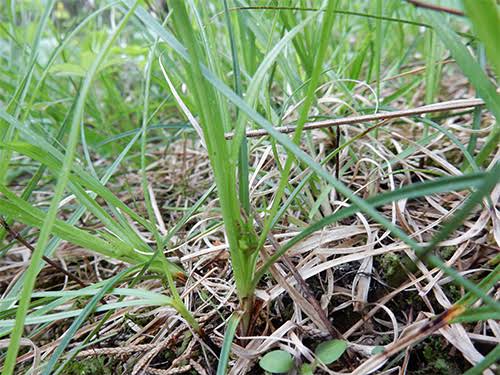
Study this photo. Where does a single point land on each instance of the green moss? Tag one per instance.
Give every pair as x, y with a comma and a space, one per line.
93, 365
453, 292
390, 264
437, 360
394, 273
448, 251
138, 319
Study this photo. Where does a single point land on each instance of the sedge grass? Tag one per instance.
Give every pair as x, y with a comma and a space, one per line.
194, 57
274, 50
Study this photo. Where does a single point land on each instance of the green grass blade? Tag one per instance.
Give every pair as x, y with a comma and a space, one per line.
476, 119
48, 318
485, 284
473, 315
467, 155
490, 359
485, 18
231, 327
244, 192
378, 45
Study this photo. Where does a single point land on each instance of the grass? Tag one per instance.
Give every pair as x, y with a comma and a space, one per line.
115, 158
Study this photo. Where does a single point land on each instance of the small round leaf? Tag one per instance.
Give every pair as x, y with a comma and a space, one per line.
329, 351
277, 361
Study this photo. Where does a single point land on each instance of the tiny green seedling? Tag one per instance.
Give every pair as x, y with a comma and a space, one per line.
280, 362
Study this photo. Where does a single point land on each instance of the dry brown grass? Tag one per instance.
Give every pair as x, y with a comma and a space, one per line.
354, 271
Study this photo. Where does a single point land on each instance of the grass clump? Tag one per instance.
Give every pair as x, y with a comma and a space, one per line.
124, 135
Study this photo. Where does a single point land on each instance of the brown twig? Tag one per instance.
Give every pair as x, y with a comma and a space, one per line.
431, 108
337, 157
21, 240
422, 4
